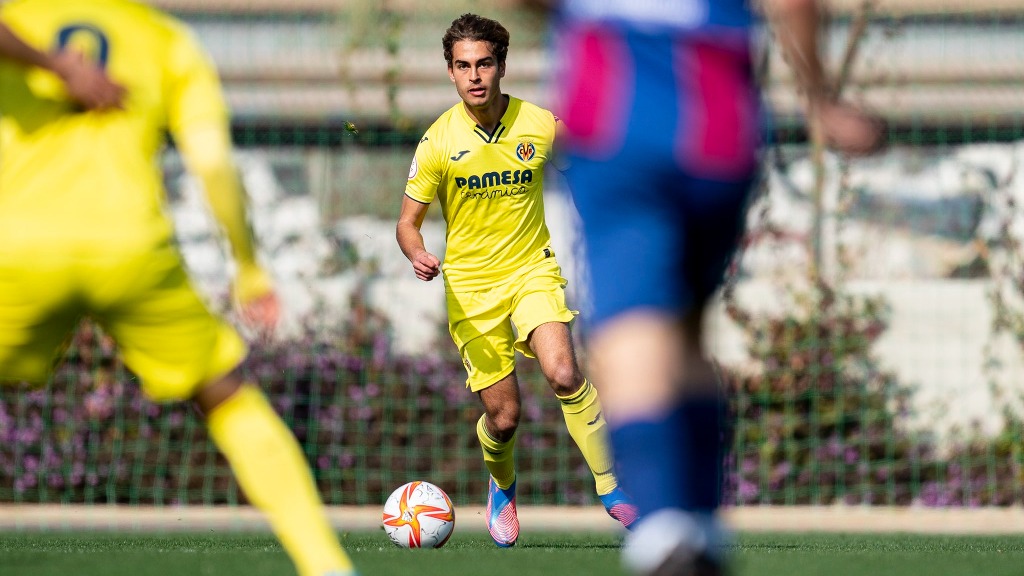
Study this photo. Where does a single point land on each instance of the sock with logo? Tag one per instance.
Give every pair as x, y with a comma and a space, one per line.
586, 424
497, 456
274, 475
673, 460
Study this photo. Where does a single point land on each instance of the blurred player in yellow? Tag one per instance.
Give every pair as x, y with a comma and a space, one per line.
483, 160
83, 232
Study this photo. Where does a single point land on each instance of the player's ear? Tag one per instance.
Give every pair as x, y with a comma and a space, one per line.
451, 73
501, 70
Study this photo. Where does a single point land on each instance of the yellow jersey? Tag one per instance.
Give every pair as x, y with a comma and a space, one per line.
490, 188
91, 181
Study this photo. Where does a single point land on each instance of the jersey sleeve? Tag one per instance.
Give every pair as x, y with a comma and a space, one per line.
195, 99
198, 120
557, 158
426, 170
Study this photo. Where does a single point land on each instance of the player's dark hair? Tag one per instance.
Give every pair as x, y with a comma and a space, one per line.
474, 27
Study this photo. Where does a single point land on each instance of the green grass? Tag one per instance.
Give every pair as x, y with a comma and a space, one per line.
101, 554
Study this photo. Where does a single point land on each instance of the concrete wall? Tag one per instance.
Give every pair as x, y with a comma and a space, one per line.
932, 61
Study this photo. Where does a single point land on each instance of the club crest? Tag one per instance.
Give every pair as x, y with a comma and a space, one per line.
526, 151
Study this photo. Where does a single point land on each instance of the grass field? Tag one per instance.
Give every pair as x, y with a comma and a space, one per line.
201, 554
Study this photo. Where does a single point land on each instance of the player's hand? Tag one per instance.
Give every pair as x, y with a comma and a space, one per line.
262, 313
848, 129
258, 304
86, 83
426, 265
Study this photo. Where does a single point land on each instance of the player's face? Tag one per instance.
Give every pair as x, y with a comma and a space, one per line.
476, 73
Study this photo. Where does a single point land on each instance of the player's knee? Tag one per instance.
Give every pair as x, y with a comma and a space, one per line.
211, 395
564, 377
503, 423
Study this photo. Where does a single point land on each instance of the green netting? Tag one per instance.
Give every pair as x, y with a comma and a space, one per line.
871, 334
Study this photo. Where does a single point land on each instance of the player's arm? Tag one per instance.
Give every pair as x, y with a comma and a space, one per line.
410, 239
557, 159
797, 25
86, 83
198, 120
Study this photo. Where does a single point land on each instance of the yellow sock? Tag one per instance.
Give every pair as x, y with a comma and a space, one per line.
582, 411
275, 476
497, 456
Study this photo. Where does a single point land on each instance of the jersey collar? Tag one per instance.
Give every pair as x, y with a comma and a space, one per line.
507, 119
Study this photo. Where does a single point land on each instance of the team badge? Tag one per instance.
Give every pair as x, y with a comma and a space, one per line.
526, 151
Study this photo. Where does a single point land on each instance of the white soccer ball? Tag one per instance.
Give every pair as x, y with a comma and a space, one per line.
419, 515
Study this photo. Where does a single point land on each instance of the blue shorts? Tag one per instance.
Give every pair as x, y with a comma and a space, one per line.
661, 134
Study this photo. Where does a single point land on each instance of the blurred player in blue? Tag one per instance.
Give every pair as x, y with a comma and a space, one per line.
662, 122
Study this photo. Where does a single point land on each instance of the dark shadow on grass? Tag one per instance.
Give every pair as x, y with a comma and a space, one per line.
741, 547
572, 546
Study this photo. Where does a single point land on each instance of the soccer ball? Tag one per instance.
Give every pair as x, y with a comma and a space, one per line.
419, 515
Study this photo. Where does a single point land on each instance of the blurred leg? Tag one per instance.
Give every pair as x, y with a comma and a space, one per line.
172, 341
665, 415
275, 476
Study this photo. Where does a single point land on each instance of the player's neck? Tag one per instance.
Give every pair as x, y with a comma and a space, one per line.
487, 117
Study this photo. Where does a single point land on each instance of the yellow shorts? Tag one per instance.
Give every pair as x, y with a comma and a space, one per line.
143, 299
489, 325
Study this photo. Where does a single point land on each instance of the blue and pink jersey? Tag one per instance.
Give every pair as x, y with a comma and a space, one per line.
662, 127
665, 14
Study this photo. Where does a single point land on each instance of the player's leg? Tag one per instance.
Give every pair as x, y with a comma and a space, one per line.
180, 351
655, 254
667, 415
583, 414
273, 473
496, 431
543, 318
661, 394
38, 309
479, 326
497, 428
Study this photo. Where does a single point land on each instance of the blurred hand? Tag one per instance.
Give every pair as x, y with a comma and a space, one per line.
848, 129
426, 265
86, 83
262, 313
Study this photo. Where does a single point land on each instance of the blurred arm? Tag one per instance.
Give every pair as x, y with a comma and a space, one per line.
796, 25
86, 83
13, 48
207, 154
198, 120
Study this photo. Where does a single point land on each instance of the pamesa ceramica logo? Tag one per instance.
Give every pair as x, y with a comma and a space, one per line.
526, 151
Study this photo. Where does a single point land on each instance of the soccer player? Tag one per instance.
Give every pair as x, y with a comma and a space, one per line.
484, 161
83, 232
85, 82
661, 121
